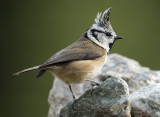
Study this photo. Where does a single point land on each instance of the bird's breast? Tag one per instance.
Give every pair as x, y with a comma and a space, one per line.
77, 71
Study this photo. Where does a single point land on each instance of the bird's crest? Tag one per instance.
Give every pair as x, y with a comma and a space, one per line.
105, 18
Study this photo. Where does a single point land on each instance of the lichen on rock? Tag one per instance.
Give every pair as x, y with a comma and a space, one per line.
110, 99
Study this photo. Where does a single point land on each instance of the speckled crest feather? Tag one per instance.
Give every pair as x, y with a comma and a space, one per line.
98, 19
105, 18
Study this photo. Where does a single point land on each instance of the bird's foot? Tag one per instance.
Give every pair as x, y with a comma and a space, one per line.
94, 82
73, 105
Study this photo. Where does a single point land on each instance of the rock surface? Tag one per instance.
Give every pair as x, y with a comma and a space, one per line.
110, 99
146, 101
116, 65
130, 70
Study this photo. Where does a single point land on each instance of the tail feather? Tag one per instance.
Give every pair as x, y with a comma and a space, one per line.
26, 70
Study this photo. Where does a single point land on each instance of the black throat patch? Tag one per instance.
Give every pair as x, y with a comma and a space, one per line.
111, 45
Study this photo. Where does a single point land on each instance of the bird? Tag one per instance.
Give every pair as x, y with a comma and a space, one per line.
83, 59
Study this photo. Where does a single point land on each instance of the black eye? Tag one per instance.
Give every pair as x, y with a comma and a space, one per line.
108, 34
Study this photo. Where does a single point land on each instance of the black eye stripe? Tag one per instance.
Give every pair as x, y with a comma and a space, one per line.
106, 33
94, 30
93, 34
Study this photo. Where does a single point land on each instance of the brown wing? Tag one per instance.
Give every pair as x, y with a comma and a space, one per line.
82, 49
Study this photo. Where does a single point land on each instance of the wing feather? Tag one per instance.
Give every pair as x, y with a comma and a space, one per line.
82, 49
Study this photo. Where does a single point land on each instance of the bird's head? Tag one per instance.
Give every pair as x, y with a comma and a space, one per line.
102, 32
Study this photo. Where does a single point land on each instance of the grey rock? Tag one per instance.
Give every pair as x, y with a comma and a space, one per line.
146, 101
110, 99
116, 65
130, 70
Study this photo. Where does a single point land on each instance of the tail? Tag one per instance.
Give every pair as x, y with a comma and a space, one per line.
26, 70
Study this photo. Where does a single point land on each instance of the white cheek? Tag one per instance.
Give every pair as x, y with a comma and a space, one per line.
111, 40
105, 39
102, 40
96, 33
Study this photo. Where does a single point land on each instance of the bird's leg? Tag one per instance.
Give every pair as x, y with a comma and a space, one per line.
74, 98
95, 82
71, 92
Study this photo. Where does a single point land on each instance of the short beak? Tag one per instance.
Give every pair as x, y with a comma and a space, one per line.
118, 37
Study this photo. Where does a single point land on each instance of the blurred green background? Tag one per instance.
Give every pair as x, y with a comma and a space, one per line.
33, 30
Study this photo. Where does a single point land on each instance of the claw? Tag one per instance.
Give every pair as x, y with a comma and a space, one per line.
95, 82
92, 89
98, 83
73, 102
